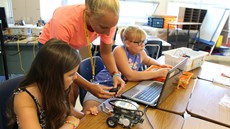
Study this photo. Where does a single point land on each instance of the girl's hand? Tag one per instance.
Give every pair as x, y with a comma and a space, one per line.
71, 123
163, 72
165, 66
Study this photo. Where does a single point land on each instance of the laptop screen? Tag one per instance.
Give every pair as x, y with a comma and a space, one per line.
172, 80
153, 93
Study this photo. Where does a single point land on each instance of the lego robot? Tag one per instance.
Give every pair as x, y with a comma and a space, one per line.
124, 112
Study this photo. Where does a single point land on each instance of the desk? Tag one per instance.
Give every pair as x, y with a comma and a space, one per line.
177, 101
204, 102
182, 23
194, 123
209, 70
27, 29
28, 49
158, 118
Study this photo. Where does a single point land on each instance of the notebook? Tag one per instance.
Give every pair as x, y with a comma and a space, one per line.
153, 93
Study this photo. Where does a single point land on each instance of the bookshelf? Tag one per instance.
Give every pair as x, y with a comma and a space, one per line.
191, 15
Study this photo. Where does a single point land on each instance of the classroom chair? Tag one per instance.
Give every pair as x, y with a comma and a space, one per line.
6, 90
85, 70
154, 48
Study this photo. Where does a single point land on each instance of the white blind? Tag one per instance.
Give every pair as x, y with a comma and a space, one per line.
133, 11
47, 8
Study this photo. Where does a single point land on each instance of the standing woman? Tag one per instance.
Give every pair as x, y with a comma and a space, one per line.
41, 100
79, 25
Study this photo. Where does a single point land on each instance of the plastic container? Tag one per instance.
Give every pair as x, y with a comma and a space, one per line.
156, 22
167, 20
174, 56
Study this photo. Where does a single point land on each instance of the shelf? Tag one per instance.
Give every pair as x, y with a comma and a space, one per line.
191, 15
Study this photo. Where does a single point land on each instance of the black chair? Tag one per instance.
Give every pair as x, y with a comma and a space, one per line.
6, 90
85, 70
154, 48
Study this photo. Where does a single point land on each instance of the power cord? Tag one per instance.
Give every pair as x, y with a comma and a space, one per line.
24, 46
20, 57
146, 116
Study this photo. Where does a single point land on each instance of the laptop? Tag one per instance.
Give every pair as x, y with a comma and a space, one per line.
153, 93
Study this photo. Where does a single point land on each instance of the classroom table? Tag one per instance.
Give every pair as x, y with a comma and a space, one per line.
204, 102
159, 119
195, 123
209, 70
188, 34
20, 54
177, 101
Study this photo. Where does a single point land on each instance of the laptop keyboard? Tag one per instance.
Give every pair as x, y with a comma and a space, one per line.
150, 93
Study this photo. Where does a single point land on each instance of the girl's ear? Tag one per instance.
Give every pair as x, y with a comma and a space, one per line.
127, 43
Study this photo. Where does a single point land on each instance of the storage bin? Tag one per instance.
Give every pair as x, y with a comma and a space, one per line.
156, 22
196, 58
167, 20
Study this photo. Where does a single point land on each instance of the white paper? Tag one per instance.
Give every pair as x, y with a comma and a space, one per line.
225, 101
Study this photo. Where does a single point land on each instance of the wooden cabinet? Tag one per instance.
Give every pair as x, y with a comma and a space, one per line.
27, 10
191, 15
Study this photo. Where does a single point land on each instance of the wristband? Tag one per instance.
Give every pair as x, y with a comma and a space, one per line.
115, 72
116, 75
71, 123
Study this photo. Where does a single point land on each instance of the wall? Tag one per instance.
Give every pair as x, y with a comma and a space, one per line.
27, 10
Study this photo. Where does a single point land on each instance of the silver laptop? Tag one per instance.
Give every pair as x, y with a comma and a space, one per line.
153, 93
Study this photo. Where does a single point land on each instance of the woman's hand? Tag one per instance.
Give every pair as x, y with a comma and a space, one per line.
118, 83
101, 91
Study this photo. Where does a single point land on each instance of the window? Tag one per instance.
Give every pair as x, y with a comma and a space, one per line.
140, 9
136, 11
47, 8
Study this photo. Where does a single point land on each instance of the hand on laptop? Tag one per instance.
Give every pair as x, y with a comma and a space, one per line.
166, 66
163, 72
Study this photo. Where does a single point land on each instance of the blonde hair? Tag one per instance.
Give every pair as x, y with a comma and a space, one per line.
134, 32
98, 7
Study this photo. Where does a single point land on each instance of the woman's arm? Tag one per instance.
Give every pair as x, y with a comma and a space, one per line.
122, 64
108, 60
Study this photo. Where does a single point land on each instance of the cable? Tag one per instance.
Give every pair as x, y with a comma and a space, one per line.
146, 116
20, 58
18, 50
22, 48
34, 52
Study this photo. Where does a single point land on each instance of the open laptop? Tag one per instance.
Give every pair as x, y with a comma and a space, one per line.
153, 93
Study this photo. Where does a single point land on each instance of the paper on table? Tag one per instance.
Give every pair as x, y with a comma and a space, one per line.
225, 101
221, 80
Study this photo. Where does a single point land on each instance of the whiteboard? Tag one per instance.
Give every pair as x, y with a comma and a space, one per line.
213, 23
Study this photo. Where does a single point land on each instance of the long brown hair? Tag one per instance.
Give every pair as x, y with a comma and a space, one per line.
52, 61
